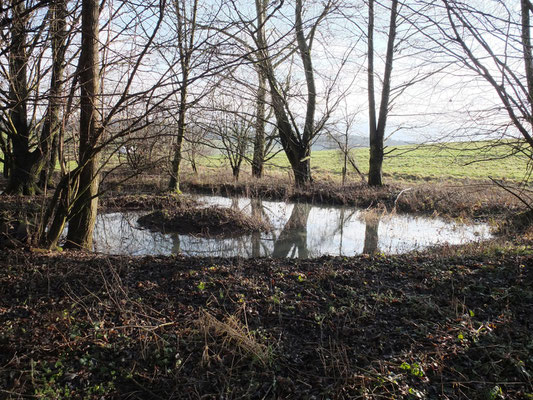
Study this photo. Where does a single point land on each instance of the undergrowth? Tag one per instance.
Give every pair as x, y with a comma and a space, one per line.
431, 325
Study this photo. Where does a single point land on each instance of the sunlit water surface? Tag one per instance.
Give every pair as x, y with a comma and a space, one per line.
299, 230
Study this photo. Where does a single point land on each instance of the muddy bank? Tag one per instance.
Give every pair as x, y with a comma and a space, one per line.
145, 202
206, 222
420, 326
475, 202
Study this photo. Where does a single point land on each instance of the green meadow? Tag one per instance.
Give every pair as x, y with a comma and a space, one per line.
465, 160
459, 160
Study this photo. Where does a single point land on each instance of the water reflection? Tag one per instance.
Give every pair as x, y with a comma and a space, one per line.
299, 230
257, 211
292, 240
371, 233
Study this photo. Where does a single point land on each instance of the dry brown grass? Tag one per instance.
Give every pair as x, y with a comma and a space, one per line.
208, 221
231, 334
467, 199
456, 199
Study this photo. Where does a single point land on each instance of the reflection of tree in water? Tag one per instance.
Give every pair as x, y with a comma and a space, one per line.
176, 243
344, 217
294, 235
258, 213
371, 233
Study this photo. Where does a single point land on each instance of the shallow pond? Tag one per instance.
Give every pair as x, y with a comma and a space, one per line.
299, 230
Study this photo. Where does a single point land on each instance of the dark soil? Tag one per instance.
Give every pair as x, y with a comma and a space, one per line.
208, 221
415, 326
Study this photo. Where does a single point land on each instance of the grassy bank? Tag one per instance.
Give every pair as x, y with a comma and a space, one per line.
449, 324
455, 199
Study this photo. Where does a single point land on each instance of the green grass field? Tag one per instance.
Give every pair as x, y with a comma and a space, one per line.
476, 160
467, 160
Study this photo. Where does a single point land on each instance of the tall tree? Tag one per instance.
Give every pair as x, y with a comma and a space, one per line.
131, 104
490, 44
296, 141
27, 135
53, 123
84, 209
378, 118
186, 14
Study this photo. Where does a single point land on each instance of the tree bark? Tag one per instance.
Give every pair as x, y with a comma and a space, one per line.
26, 164
377, 127
52, 126
185, 47
259, 140
23, 163
297, 146
81, 225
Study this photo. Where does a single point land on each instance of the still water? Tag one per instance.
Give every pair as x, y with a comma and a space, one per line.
299, 230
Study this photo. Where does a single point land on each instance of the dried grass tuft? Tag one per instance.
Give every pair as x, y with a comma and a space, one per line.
232, 334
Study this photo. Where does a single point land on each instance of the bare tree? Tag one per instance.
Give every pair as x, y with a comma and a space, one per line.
296, 133
340, 133
378, 121
186, 27
491, 44
233, 130
84, 209
53, 123
130, 104
29, 126
295, 141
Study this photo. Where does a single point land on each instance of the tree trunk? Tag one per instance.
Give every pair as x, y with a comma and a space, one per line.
47, 174
24, 164
25, 169
259, 140
27, 165
81, 225
186, 39
377, 127
52, 126
236, 170
301, 166
375, 170
174, 183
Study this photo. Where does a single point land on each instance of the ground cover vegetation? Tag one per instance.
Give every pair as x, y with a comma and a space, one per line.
453, 323
126, 105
